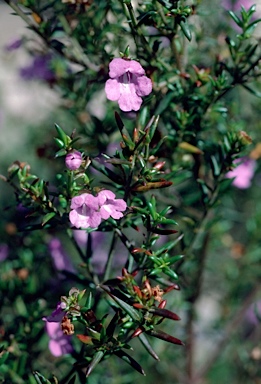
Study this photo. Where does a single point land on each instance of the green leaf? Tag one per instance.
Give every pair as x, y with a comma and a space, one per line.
128, 359
168, 246
174, 259
123, 305
3, 357
185, 29
95, 361
253, 91
59, 143
164, 103
40, 379
169, 272
62, 135
61, 152
146, 16
48, 217
147, 346
215, 166
236, 19
72, 381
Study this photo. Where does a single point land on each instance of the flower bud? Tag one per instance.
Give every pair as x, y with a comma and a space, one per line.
244, 138
73, 160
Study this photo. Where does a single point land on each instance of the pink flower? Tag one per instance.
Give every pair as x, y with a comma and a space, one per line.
59, 344
73, 160
243, 173
110, 206
127, 84
85, 211
88, 210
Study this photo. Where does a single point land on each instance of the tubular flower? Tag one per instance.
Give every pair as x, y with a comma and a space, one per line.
85, 211
127, 84
109, 206
88, 210
59, 343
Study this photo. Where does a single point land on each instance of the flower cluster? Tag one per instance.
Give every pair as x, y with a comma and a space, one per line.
88, 210
127, 84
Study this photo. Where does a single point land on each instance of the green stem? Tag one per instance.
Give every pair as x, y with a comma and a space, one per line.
76, 48
136, 30
110, 258
90, 274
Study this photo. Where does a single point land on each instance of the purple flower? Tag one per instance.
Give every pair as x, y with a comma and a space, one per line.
88, 210
73, 160
4, 250
15, 44
127, 84
99, 244
39, 69
59, 343
57, 315
110, 206
243, 173
60, 258
85, 211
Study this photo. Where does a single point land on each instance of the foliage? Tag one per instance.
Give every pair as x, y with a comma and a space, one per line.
169, 161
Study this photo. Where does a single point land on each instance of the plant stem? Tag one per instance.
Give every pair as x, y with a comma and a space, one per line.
231, 326
110, 258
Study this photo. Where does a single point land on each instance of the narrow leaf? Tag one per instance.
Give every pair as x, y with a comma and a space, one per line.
185, 29
48, 217
236, 19
164, 103
95, 361
128, 359
167, 247
165, 336
3, 357
40, 379
123, 305
85, 339
164, 313
72, 381
147, 346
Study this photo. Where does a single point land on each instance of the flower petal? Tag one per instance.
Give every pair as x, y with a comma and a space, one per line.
117, 67
78, 220
91, 201
104, 195
95, 219
112, 89
135, 68
56, 316
129, 101
143, 86
77, 201
109, 210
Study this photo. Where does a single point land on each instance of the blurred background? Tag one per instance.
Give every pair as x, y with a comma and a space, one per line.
232, 281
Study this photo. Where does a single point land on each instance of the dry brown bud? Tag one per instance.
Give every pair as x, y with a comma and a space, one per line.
67, 326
